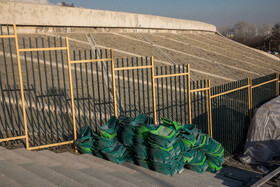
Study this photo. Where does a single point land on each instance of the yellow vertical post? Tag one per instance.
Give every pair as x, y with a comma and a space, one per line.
153, 89
277, 84
114, 83
71, 89
250, 101
189, 94
209, 107
21, 88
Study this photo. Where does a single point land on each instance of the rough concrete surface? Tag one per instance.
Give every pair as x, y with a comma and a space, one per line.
98, 172
51, 15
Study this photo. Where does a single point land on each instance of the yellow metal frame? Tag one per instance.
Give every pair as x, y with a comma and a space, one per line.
267, 82
21, 91
277, 84
114, 83
18, 50
51, 145
7, 36
42, 49
230, 91
209, 109
250, 100
133, 68
189, 94
71, 82
173, 75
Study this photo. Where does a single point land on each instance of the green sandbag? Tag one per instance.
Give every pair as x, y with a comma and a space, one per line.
200, 140
186, 151
210, 145
143, 130
162, 143
163, 136
118, 160
198, 158
103, 143
117, 151
176, 126
215, 163
111, 127
179, 164
145, 163
218, 152
98, 153
165, 168
160, 155
198, 168
163, 132
144, 119
189, 129
85, 143
141, 151
106, 135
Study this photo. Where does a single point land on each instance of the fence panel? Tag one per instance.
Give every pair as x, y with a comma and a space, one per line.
199, 105
172, 93
134, 86
230, 114
264, 89
45, 77
11, 109
92, 86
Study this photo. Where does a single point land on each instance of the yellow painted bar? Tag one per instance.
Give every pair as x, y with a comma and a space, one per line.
277, 84
171, 75
51, 145
189, 94
71, 88
21, 89
90, 60
153, 89
7, 36
209, 111
199, 90
12, 138
250, 101
114, 83
264, 83
43, 49
230, 91
138, 67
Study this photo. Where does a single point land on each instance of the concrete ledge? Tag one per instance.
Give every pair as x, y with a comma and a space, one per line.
58, 16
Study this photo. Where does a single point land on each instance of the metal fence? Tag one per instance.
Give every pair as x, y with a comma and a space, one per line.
48, 93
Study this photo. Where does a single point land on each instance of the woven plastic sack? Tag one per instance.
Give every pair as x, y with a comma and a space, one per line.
85, 143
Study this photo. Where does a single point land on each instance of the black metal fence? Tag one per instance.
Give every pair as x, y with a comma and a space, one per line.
230, 115
48, 106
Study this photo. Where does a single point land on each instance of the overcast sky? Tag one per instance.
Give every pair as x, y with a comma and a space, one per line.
217, 12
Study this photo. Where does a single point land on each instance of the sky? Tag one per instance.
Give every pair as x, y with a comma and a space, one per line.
216, 12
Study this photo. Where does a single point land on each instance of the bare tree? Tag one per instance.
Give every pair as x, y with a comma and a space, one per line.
62, 3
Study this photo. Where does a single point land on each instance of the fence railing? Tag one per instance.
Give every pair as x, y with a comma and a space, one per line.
50, 94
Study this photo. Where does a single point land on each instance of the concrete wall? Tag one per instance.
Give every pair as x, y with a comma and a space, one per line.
57, 16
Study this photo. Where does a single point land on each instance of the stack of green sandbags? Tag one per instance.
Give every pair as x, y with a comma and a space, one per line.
126, 135
141, 146
214, 152
199, 162
134, 137
194, 159
165, 151
85, 143
207, 153
107, 144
